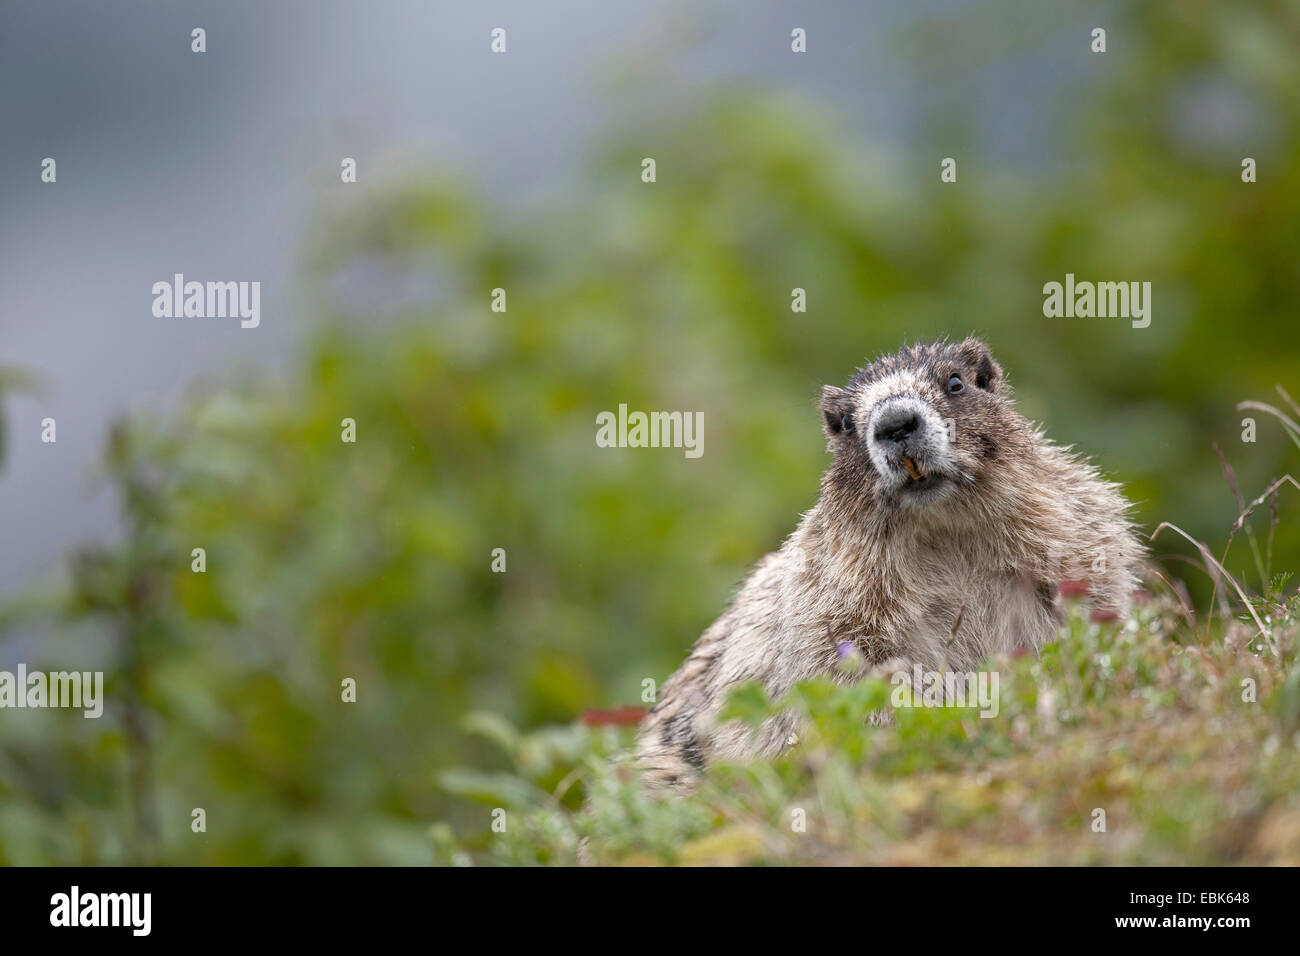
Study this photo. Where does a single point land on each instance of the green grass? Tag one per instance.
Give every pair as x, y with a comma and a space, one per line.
1148, 719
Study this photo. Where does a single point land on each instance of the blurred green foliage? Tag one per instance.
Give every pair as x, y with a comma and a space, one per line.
475, 431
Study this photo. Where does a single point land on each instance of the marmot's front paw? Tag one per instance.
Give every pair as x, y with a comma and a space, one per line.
663, 768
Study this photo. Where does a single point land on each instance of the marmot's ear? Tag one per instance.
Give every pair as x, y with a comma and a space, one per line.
837, 411
988, 373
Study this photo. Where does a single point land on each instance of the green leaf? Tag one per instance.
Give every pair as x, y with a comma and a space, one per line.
748, 703
493, 727
492, 789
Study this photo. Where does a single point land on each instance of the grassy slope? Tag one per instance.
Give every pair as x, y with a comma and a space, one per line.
1147, 719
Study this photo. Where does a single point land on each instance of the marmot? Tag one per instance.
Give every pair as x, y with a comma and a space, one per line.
942, 508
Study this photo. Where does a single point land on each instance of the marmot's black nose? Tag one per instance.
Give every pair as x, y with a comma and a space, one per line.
897, 425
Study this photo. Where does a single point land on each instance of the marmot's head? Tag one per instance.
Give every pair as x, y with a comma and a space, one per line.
922, 426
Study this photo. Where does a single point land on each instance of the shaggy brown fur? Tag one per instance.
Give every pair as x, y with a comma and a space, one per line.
941, 503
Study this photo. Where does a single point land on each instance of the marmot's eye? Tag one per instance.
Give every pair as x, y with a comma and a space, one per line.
955, 385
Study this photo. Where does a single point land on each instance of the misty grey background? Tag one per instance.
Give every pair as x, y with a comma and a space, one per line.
212, 164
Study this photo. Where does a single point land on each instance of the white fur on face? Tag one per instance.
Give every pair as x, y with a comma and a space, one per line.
929, 446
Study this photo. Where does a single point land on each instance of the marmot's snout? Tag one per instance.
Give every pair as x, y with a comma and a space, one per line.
908, 444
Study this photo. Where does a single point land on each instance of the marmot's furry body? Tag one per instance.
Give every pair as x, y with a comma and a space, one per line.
942, 507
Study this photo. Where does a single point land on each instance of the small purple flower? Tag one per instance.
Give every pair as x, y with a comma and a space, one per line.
845, 650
